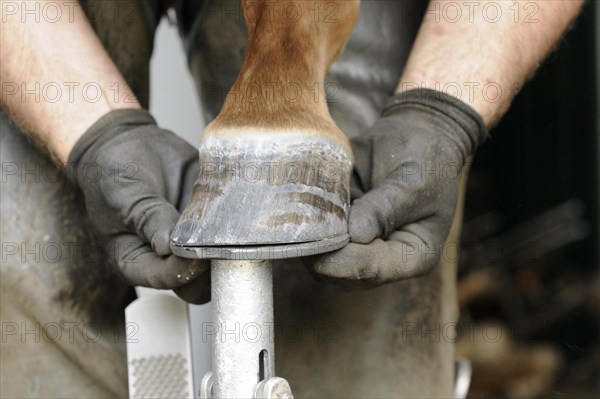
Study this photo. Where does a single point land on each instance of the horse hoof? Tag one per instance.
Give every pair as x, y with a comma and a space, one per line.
267, 189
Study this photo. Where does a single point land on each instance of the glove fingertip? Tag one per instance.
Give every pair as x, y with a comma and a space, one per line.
157, 224
345, 263
161, 242
328, 266
362, 227
196, 292
324, 262
183, 271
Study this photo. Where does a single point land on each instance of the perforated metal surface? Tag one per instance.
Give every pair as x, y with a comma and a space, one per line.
160, 377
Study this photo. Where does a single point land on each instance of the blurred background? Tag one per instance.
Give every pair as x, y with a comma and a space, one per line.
530, 245
530, 248
530, 240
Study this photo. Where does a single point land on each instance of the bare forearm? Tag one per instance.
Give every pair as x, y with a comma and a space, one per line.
56, 78
483, 51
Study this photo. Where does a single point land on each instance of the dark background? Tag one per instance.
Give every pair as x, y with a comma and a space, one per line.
530, 240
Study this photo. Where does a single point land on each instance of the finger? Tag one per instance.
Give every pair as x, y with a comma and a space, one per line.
362, 151
196, 292
384, 209
154, 219
409, 253
140, 265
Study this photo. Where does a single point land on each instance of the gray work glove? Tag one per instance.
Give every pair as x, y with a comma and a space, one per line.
404, 189
134, 176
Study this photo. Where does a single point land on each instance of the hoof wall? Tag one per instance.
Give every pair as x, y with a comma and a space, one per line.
267, 190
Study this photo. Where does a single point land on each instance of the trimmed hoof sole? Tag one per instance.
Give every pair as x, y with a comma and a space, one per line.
267, 190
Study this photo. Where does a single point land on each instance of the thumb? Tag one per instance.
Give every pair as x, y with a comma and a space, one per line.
154, 219
382, 210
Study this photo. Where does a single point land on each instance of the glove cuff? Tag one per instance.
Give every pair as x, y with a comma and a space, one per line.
105, 129
449, 107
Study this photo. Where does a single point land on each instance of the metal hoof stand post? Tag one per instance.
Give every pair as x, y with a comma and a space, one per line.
242, 297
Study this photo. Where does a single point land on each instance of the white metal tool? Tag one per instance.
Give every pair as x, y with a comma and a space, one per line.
159, 353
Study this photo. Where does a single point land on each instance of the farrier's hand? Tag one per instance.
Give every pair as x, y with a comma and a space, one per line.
134, 177
404, 189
